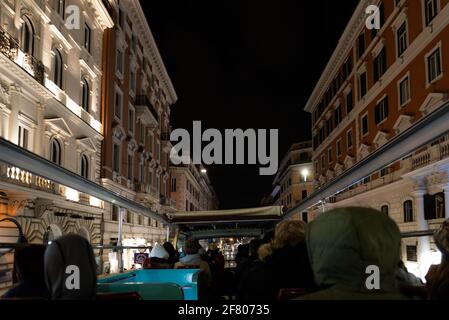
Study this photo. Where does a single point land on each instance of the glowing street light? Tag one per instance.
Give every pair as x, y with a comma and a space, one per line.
305, 174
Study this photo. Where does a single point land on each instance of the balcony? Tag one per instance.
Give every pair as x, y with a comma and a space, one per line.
146, 111
10, 48
24, 178
431, 155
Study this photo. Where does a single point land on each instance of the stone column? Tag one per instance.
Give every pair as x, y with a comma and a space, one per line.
423, 242
14, 116
39, 134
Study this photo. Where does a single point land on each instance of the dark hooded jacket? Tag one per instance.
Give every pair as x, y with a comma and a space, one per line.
61, 256
286, 267
343, 243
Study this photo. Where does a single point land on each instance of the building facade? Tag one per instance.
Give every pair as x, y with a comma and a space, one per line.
137, 95
191, 189
294, 180
50, 105
377, 84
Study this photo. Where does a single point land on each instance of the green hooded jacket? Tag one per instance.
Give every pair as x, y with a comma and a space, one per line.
343, 244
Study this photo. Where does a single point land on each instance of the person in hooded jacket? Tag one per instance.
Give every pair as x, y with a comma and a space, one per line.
283, 263
354, 253
438, 275
173, 254
29, 270
158, 258
70, 269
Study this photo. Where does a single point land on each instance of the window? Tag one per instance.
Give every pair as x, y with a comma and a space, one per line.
133, 43
57, 69
365, 125
129, 217
363, 84
330, 155
118, 105
119, 61
87, 36
408, 211
323, 162
131, 119
60, 7
434, 65
337, 115
431, 10
140, 219
339, 148
173, 184
23, 137
384, 171
143, 134
55, 152
85, 94
114, 216
349, 139
130, 167
361, 45
84, 167
440, 210
381, 111
132, 79
404, 91
121, 18
304, 194
412, 253
434, 206
402, 39
27, 36
158, 151
380, 65
116, 158
305, 217
384, 210
142, 172
349, 102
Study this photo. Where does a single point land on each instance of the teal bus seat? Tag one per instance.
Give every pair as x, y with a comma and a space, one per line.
186, 279
147, 291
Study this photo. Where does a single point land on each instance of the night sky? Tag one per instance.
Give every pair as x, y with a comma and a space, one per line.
246, 64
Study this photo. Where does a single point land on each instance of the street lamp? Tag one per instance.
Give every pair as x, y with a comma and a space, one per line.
305, 174
204, 171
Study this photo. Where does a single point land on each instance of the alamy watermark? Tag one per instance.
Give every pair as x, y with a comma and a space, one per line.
232, 145
374, 18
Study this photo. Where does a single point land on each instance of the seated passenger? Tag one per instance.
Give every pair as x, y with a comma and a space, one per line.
283, 263
158, 258
173, 254
193, 258
345, 246
29, 271
242, 269
438, 276
70, 260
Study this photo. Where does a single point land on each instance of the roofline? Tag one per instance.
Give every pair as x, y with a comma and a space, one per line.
345, 42
156, 56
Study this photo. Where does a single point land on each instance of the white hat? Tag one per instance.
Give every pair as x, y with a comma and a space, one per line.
159, 252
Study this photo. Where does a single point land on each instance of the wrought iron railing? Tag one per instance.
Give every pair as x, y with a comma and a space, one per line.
10, 47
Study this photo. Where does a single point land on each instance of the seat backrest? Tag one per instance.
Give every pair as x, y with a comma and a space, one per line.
291, 293
119, 296
147, 291
187, 266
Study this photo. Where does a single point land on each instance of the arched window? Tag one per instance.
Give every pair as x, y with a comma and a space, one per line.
55, 152
85, 95
27, 36
60, 7
84, 166
384, 210
57, 68
408, 211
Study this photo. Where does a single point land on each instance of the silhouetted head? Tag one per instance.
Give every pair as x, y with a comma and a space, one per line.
70, 269
192, 246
